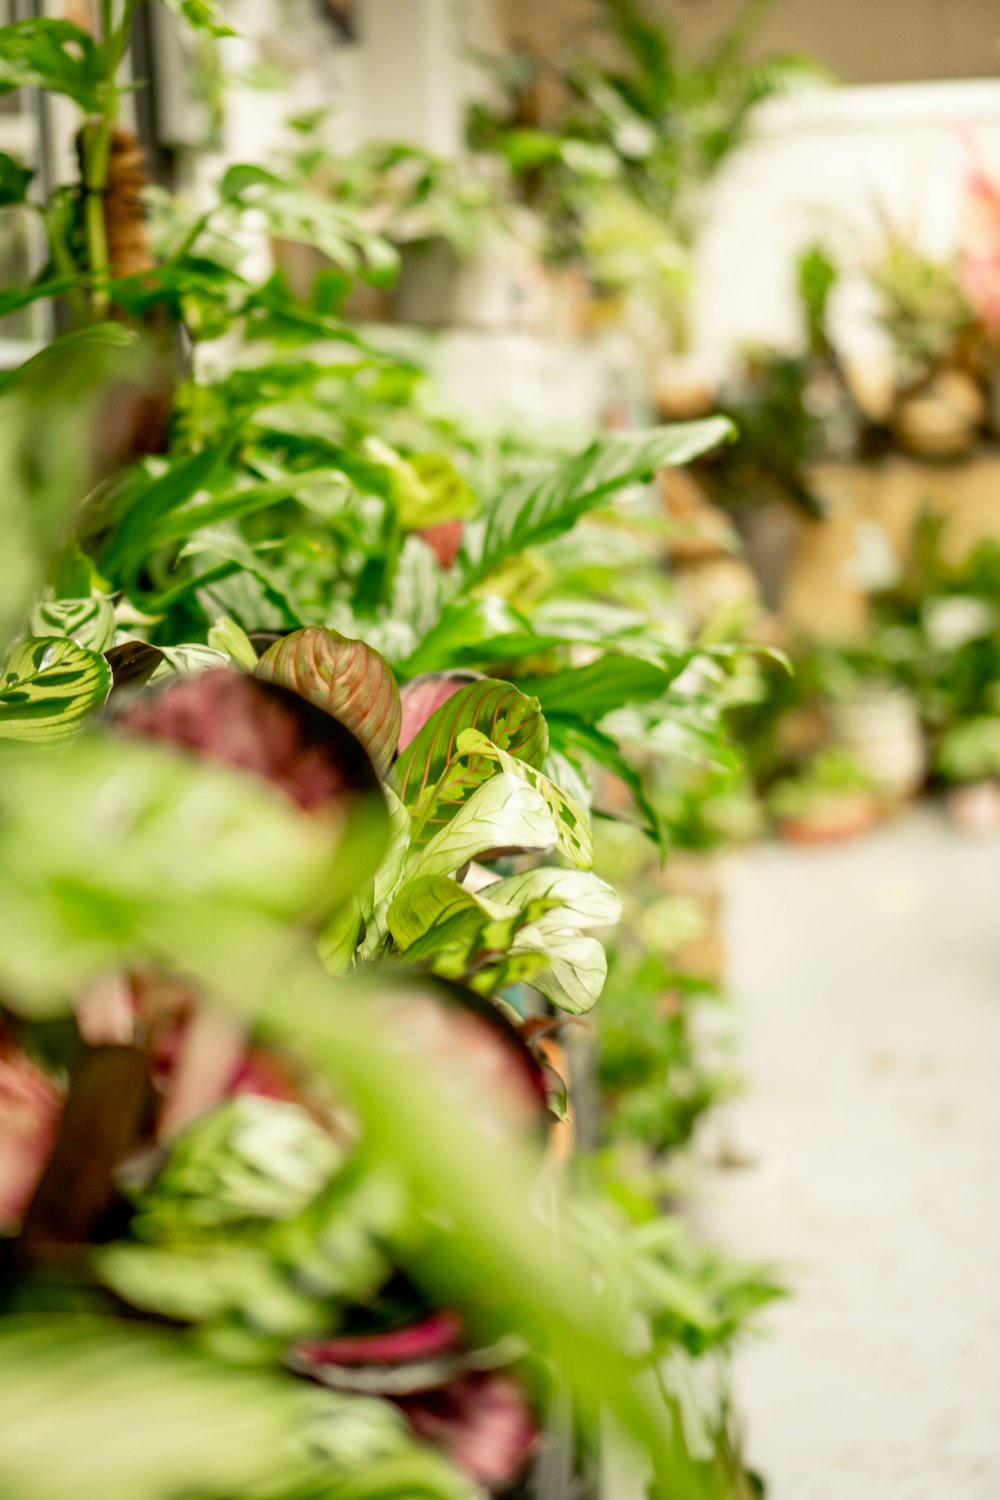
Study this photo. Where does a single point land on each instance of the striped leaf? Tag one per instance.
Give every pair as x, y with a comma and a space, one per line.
498, 710
347, 679
50, 685
542, 506
88, 622
475, 761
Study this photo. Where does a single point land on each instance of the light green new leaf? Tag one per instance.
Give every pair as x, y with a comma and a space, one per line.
53, 55
507, 717
225, 635
428, 489
540, 507
581, 896
102, 1410
576, 965
89, 622
345, 678
475, 759
114, 848
50, 685
504, 813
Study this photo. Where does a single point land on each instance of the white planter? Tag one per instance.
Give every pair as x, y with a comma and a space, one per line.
880, 728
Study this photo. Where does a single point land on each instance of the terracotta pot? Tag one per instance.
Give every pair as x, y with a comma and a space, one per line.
975, 808
840, 816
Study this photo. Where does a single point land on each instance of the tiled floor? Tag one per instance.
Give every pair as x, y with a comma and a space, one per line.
868, 976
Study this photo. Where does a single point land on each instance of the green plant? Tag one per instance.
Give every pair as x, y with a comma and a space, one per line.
305, 716
614, 158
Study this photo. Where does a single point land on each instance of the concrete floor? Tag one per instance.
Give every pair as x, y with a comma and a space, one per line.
868, 976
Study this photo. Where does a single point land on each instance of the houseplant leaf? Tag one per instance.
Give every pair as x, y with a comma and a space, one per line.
89, 622
504, 813
53, 55
347, 679
498, 710
50, 685
540, 507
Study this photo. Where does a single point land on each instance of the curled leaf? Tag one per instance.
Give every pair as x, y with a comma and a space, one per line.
345, 678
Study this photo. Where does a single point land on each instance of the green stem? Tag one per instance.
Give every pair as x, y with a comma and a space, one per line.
97, 152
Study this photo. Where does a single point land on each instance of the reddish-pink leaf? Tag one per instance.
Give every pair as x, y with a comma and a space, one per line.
345, 678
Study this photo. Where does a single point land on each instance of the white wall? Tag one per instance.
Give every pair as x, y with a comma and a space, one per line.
832, 164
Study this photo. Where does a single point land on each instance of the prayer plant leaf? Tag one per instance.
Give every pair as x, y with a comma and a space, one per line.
498, 710
49, 687
504, 813
575, 967
347, 679
542, 506
88, 622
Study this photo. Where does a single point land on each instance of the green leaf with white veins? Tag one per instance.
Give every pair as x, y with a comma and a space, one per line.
476, 759
576, 964
504, 813
49, 687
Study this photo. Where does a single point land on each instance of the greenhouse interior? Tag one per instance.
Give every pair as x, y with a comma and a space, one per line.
500, 749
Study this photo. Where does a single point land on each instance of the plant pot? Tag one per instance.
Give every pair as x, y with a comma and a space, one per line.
975, 808
942, 421
842, 815
501, 289
880, 728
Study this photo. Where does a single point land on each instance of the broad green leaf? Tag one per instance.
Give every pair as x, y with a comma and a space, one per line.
89, 622
428, 489
583, 899
14, 180
526, 928
347, 679
225, 635
152, 501
476, 755
498, 710
113, 848
14, 298
474, 631
504, 813
102, 1409
49, 687
188, 660
53, 55
576, 965
203, 1282
581, 896
542, 506
421, 904
592, 691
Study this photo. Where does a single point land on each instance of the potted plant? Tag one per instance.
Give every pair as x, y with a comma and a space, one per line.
832, 798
